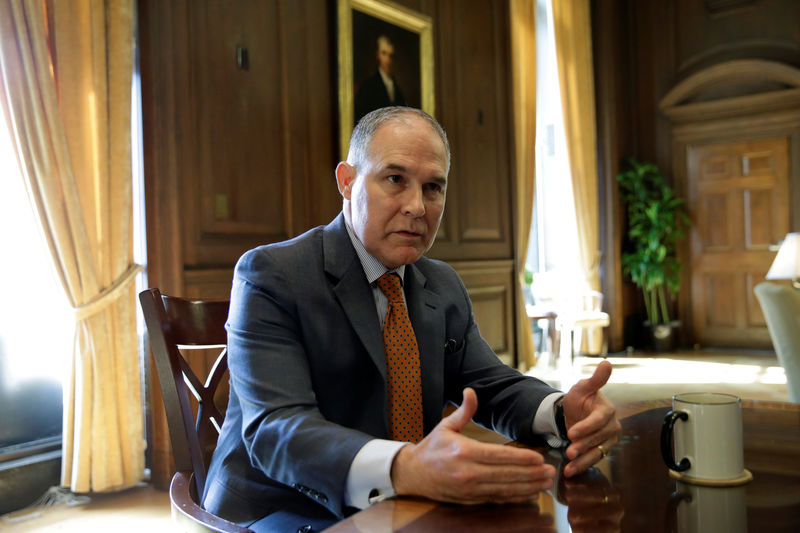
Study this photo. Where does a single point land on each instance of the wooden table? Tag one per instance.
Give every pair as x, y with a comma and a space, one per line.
631, 491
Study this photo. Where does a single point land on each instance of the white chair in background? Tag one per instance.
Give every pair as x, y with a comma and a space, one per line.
781, 307
577, 308
589, 315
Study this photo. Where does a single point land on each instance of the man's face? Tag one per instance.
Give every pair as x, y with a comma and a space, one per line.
385, 56
395, 201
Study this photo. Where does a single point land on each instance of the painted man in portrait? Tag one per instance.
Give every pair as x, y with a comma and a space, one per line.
381, 89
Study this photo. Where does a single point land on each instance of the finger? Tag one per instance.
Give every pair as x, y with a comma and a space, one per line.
592, 455
581, 463
606, 438
600, 418
461, 416
500, 454
484, 474
596, 382
499, 492
515, 492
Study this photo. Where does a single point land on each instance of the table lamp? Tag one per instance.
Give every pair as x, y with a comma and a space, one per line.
787, 263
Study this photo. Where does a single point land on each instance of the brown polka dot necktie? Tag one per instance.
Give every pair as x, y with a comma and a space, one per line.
404, 380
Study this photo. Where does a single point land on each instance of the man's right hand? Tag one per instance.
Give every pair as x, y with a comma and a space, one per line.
447, 466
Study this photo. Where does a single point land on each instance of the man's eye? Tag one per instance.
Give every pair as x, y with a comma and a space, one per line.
394, 178
433, 187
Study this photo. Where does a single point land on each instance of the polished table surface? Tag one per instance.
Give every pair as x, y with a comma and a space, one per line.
631, 491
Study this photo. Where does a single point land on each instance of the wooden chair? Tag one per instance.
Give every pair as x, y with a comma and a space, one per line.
174, 323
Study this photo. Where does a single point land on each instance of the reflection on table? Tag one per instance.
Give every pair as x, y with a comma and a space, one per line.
631, 491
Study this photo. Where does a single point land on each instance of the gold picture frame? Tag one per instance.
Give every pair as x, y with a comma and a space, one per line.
360, 24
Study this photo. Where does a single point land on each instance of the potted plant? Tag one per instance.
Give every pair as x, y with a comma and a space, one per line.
656, 221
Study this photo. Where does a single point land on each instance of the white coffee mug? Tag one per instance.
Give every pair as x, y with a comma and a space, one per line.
706, 430
709, 509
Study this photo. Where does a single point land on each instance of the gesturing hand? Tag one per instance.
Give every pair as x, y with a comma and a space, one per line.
447, 466
591, 421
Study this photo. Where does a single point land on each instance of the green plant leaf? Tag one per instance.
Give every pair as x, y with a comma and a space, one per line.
656, 222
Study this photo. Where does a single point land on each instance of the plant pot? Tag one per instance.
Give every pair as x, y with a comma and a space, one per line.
663, 337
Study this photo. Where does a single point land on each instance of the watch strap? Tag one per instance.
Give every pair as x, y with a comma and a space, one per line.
561, 422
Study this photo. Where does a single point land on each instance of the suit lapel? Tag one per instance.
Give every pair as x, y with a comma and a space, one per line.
352, 290
427, 317
424, 308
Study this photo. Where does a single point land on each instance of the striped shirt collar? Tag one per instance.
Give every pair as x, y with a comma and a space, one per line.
372, 267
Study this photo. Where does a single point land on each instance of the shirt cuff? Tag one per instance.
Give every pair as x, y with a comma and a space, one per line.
544, 423
370, 477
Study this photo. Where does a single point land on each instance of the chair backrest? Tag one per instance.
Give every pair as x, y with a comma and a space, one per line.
592, 300
781, 307
176, 323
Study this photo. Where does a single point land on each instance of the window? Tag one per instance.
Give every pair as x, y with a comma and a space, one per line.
553, 253
553, 242
36, 325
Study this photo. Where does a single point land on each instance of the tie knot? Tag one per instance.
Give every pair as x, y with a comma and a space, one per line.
390, 284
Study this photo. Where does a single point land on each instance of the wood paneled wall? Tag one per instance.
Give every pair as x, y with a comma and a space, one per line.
235, 158
641, 51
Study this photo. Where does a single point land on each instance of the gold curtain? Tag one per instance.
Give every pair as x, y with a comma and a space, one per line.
65, 83
573, 38
523, 71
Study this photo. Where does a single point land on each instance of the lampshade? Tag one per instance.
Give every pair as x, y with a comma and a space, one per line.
787, 263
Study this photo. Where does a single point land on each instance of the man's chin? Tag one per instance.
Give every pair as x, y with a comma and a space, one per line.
402, 257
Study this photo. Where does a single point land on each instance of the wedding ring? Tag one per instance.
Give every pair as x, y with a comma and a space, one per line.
602, 450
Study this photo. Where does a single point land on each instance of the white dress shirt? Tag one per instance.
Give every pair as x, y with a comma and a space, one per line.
388, 82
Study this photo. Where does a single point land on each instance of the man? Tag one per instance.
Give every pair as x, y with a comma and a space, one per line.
314, 400
381, 89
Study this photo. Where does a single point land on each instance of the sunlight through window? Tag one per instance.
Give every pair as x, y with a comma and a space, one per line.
635, 370
36, 325
554, 237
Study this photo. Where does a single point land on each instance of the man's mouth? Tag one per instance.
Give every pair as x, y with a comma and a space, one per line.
408, 234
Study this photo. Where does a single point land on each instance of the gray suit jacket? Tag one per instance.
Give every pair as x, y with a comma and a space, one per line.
308, 372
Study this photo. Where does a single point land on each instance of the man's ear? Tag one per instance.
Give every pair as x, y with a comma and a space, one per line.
345, 175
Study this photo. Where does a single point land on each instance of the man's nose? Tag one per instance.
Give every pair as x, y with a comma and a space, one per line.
414, 202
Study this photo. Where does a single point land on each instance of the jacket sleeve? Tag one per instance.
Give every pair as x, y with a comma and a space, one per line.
507, 399
284, 433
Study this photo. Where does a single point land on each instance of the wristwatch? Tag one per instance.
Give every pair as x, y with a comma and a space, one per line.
561, 422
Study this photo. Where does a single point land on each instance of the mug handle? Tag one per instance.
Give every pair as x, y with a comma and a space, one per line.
672, 509
667, 429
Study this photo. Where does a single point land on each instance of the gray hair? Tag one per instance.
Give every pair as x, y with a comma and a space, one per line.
368, 126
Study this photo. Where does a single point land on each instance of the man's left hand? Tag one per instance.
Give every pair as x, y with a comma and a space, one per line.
592, 424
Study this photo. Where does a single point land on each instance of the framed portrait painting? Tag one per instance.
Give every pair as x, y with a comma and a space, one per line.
385, 58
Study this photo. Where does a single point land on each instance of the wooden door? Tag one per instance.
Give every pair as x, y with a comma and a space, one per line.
739, 203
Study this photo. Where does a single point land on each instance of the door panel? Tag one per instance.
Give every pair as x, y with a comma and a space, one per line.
739, 200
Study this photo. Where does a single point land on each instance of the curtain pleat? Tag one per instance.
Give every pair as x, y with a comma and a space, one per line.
65, 82
573, 38
523, 72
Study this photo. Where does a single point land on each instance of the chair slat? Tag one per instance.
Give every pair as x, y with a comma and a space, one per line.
173, 323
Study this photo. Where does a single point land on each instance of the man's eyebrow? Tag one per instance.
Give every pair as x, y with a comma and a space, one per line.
397, 167
441, 180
